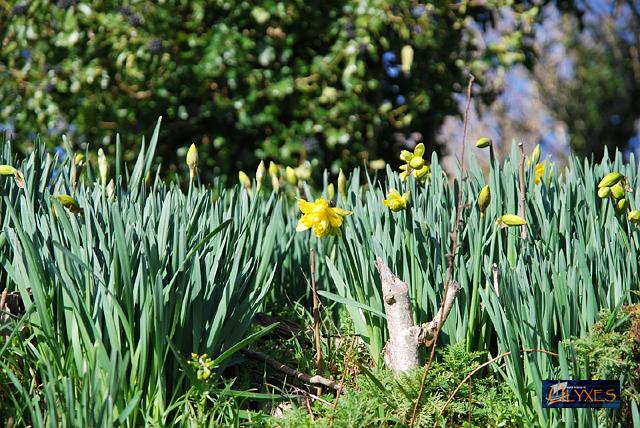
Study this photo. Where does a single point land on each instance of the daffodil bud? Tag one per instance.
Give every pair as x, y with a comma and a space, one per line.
244, 180
610, 179
604, 192
622, 206
331, 192
377, 164
69, 203
511, 220
290, 173
275, 183
7, 170
535, 155
192, 160
303, 172
103, 167
273, 169
111, 187
342, 183
260, 175
406, 55
634, 216
617, 191
484, 198
483, 142
78, 158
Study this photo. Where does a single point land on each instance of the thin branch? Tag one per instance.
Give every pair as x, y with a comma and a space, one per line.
480, 367
316, 320
313, 380
428, 330
452, 256
344, 375
522, 194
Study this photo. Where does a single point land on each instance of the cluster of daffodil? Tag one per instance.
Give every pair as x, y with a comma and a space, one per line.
8, 171
614, 186
415, 164
203, 365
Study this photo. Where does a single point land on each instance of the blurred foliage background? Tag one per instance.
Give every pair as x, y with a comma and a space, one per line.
338, 83
331, 81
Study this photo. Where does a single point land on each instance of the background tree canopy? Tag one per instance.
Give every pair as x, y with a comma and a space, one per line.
324, 80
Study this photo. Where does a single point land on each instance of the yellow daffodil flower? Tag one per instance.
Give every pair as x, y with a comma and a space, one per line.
396, 202
324, 219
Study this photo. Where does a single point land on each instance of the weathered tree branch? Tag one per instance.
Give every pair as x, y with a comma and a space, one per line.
313, 380
401, 351
428, 329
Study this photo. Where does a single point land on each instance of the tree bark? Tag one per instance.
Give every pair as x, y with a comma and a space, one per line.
401, 350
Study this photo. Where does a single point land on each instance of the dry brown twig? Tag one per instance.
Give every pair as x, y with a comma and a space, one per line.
312, 380
454, 248
522, 194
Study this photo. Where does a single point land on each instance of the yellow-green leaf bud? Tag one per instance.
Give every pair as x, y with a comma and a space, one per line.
103, 167
604, 192
610, 179
483, 142
617, 191
244, 179
260, 175
273, 169
290, 173
342, 183
7, 170
622, 206
192, 160
511, 220
484, 198
331, 191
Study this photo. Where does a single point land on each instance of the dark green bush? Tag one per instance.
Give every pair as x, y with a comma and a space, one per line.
279, 80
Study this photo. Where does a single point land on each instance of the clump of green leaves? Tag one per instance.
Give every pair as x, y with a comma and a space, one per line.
383, 399
611, 351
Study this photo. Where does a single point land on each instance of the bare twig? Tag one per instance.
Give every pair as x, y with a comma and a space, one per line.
344, 375
312, 380
316, 321
454, 248
522, 194
428, 330
480, 367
